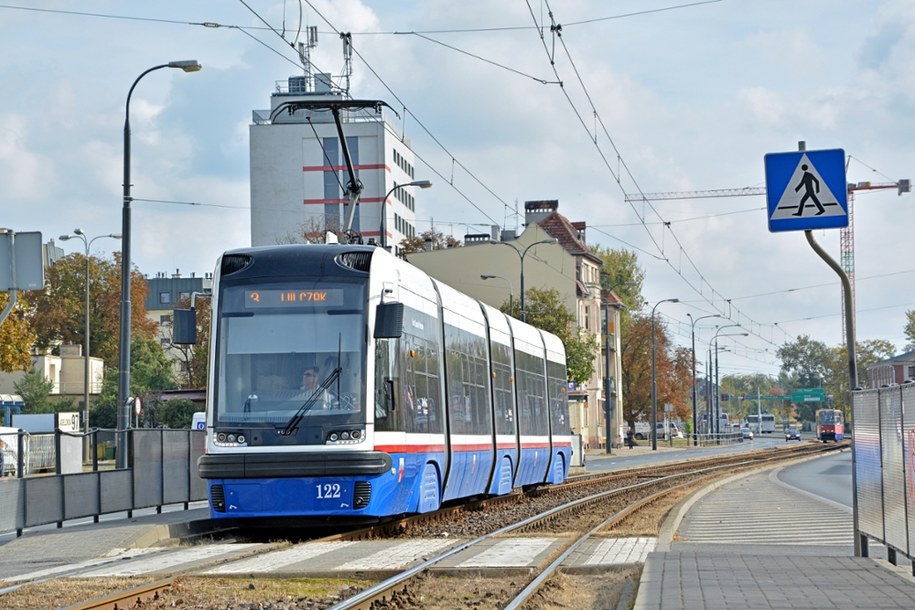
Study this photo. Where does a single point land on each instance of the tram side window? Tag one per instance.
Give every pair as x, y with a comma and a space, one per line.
559, 406
419, 387
533, 413
479, 390
502, 388
468, 389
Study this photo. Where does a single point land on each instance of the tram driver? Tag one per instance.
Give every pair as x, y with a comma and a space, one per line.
310, 384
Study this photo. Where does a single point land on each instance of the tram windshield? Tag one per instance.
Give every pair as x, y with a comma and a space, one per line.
290, 355
830, 417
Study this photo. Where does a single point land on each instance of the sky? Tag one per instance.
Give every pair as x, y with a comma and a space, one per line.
618, 98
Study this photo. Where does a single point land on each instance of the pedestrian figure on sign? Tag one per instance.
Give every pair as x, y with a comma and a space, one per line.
807, 181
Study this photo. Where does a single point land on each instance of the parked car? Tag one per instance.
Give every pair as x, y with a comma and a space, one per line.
746, 433
792, 434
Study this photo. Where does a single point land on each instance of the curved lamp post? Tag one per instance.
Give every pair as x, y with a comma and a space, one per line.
521, 254
383, 237
78, 233
695, 400
654, 377
124, 348
484, 276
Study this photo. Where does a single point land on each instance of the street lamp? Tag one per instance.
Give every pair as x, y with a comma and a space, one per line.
693, 335
86, 242
124, 348
483, 276
654, 377
383, 237
717, 392
522, 254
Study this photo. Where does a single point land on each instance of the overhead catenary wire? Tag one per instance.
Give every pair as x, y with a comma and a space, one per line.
555, 29
593, 132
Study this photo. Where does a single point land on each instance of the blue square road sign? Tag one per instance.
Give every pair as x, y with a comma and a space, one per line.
806, 190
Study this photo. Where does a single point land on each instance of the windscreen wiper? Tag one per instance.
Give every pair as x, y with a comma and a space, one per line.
293, 424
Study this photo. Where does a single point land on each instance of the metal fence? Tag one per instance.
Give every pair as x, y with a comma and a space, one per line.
162, 470
884, 468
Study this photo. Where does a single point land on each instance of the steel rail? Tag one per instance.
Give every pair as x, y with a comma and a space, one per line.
525, 594
131, 598
384, 590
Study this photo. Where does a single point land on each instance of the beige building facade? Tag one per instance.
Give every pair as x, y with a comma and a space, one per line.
551, 253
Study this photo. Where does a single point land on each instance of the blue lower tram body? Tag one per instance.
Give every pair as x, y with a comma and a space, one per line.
411, 484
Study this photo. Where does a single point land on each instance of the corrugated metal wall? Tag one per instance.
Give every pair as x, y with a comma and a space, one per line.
884, 451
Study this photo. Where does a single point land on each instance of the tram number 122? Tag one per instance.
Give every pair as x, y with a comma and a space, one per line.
328, 491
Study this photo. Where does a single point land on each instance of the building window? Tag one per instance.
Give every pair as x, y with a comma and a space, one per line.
165, 298
184, 296
165, 319
165, 341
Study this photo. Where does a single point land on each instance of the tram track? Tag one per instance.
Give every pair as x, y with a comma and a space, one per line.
625, 493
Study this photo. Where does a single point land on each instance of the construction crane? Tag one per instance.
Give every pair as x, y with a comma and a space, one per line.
846, 237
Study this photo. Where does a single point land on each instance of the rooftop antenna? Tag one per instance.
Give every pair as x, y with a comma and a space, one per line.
347, 39
305, 54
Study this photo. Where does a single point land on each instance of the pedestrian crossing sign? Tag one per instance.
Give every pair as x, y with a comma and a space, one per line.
806, 190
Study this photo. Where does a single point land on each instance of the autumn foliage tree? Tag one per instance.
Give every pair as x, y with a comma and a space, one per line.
16, 336
417, 243
58, 312
674, 371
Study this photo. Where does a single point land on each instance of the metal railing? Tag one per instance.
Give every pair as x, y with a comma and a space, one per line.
161, 471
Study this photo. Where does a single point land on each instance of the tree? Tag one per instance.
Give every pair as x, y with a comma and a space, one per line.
195, 357
58, 312
621, 274
910, 329
807, 359
177, 413
150, 369
417, 243
746, 388
673, 372
16, 337
867, 353
544, 309
35, 388
150, 373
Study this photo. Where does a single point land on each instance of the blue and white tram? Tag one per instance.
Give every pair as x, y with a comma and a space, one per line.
434, 396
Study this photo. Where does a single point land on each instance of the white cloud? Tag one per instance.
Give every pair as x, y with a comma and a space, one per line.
692, 98
24, 175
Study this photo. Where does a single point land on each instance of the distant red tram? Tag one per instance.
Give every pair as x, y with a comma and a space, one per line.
830, 425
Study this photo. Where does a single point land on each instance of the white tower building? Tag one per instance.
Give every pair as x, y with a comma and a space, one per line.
299, 172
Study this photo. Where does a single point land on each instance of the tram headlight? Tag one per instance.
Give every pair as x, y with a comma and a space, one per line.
346, 437
230, 439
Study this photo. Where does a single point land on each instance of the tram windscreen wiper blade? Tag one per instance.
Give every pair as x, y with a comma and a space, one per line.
293, 424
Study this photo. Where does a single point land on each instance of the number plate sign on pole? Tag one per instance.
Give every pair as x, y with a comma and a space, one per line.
806, 190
